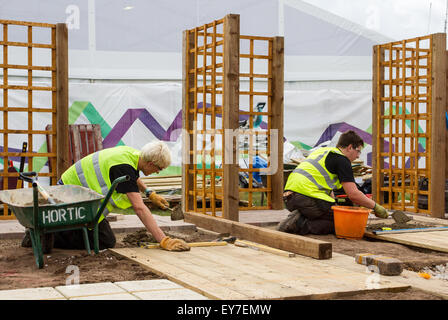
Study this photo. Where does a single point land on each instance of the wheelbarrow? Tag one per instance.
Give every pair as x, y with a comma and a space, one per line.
75, 207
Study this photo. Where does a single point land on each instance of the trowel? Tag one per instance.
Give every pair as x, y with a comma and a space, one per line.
400, 217
176, 212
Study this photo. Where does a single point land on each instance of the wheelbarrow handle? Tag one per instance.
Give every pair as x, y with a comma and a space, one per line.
27, 176
109, 194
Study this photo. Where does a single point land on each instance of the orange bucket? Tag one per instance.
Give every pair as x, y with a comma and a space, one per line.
350, 222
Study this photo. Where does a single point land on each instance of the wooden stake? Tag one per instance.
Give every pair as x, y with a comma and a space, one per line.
438, 149
230, 116
62, 142
277, 120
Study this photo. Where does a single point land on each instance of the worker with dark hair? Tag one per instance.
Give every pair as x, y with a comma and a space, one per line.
309, 189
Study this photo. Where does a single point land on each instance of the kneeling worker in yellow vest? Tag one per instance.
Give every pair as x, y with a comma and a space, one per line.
97, 171
309, 188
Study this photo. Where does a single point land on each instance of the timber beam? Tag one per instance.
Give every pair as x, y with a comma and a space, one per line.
276, 239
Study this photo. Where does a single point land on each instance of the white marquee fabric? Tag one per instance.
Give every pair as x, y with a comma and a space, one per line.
141, 39
138, 113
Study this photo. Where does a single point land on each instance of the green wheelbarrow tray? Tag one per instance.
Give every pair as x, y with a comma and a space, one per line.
76, 207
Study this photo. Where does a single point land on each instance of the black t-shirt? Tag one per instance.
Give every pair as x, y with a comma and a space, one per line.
122, 170
341, 166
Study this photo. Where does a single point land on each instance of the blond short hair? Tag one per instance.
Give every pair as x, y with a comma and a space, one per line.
156, 152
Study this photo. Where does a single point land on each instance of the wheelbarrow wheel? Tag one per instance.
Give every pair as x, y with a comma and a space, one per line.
47, 240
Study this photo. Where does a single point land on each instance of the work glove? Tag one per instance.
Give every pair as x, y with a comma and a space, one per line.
158, 200
174, 244
380, 211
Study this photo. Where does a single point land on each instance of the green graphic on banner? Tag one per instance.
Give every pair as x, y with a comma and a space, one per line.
74, 112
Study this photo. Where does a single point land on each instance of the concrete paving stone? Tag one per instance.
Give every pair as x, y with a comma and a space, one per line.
11, 229
115, 296
147, 285
89, 289
46, 293
170, 294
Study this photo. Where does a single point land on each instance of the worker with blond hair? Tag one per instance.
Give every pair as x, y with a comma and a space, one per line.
309, 188
97, 171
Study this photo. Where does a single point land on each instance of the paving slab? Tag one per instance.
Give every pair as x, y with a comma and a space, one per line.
46, 293
114, 296
11, 229
89, 289
158, 289
170, 294
147, 285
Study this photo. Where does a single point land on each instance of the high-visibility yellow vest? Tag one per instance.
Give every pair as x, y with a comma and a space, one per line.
311, 177
92, 172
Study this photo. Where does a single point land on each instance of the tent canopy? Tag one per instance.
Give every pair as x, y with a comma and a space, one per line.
140, 39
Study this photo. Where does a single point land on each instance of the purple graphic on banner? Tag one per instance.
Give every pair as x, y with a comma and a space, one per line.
342, 127
126, 121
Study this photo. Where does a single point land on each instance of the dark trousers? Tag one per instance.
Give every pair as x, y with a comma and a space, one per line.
316, 214
73, 239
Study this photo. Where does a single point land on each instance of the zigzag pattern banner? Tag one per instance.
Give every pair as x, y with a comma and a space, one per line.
136, 114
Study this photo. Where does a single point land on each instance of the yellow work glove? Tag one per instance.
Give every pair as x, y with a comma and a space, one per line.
380, 211
174, 244
158, 200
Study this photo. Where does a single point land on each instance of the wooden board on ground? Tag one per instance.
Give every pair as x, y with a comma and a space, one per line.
230, 272
434, 240
280, 240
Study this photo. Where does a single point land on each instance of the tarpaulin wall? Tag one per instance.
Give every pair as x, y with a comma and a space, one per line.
134, 114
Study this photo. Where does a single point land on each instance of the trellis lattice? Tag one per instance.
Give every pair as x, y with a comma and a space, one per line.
223, 127
409, 89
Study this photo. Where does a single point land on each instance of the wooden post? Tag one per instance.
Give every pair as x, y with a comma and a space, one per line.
231, 116
187, 120
62, 99
438, 132
377, 124
277, 120
446, 110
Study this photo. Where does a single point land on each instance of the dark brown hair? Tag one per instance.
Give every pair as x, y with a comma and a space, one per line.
350, 138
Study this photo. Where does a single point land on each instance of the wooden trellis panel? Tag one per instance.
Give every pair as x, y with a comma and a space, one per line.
211, 112
256, 140
409, 105
56, 52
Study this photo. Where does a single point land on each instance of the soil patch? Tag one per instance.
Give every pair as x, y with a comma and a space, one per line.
18, 267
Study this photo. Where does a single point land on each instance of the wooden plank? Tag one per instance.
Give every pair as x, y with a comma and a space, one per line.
98, 138
377, 125
434, 240
230, 272
385, 232
62, 143
315, 280
75, 138
272, 238
187, 120
257, 246
230, 117
438, 133
180, 273
277, 182
191, 244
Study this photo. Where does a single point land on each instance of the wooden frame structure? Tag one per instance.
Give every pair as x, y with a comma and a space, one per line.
216, 61
56, 50
409, 129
